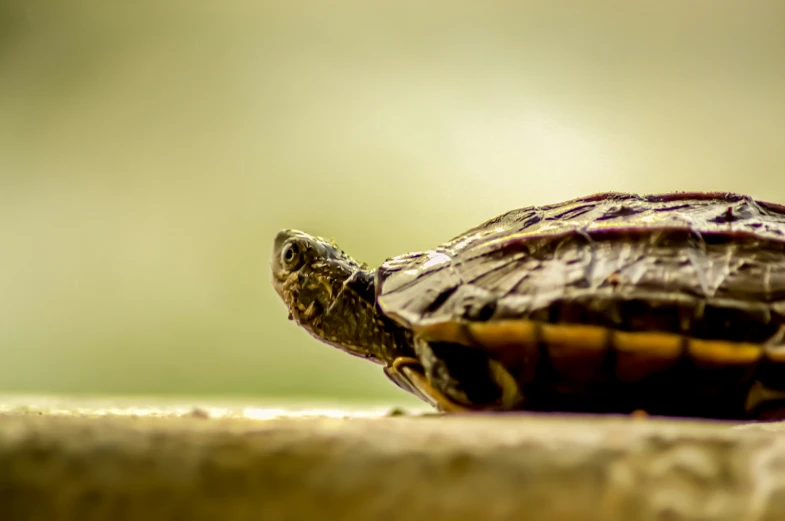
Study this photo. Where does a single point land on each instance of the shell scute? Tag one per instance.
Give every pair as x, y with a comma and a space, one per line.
632, 262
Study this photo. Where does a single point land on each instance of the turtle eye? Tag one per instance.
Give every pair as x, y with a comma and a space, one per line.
290, 255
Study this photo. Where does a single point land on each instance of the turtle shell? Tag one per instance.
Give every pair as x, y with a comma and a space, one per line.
684, 289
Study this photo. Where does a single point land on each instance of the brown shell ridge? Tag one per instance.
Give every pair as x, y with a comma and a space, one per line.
520, 221
527, 244
722, 249
522, 284
667, 197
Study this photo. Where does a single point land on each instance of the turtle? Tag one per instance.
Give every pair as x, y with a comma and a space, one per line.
671, 304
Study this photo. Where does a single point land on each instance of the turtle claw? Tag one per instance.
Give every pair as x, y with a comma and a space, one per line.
408, 374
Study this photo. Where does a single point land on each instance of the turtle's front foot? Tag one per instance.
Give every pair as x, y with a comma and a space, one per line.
408, 374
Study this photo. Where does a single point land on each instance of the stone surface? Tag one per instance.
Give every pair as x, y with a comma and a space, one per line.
57, 464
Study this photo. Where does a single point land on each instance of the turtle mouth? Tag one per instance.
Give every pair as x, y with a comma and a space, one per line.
278, 284
285, 286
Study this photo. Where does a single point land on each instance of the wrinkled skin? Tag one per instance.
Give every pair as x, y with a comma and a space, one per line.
333, 298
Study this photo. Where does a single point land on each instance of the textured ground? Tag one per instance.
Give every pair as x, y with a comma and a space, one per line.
65, 461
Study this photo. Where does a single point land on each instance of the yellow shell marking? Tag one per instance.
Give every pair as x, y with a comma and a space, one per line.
718, 352
641, 354
577, 351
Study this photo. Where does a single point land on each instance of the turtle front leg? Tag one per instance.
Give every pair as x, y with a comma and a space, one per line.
408, 374
468, 377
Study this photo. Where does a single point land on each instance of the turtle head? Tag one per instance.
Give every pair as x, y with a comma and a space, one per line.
332, 296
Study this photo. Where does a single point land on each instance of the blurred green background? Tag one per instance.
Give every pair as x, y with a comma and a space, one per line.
149, 151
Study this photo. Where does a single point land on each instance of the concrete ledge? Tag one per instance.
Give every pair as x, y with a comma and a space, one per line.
62, 467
